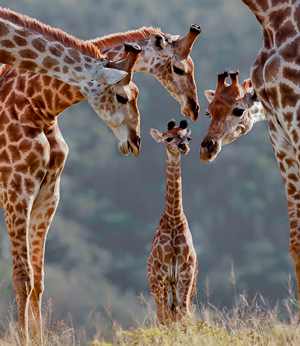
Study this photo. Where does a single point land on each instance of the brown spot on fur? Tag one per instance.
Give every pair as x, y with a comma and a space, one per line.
33, 162
2, 141
273, 97
24, 145
290, 53
39, 44
288, 96
31, 132
69, 61
6, 57
49, 62
28, 65
3, 29
293, 177
15, 153
55, 51
74, 54
22, 168
4, 157
291, 190
16, 184
65, 69
28, 53
284, 32
7, 44
29, 186
295, 136
20, 41
14, 132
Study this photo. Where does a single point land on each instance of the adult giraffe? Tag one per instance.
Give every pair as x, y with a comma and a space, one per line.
32, 150
276, 80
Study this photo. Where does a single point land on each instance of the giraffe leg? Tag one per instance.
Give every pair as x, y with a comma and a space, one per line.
288, 159
185, 286
17, 219
160, 288
194, 287
41, 218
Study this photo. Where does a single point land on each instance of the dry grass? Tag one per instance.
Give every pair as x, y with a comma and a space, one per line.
248, 323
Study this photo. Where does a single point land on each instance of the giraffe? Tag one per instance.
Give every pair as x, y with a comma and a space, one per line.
33, 46
233, 109
275, 79
172, 263
165, 56
32, 156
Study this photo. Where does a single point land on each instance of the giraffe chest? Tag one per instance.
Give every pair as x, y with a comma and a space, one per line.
174, 251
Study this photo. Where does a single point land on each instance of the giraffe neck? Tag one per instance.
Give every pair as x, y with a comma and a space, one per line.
35, 52
173, 209
266, 12
258, 113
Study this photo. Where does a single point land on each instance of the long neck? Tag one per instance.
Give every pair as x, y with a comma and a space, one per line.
258, 113
265, 11
26, 49
173, 210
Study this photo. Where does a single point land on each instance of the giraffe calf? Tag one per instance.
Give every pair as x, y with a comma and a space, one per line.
172, 264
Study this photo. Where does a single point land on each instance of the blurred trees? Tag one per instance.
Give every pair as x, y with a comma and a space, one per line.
100, 239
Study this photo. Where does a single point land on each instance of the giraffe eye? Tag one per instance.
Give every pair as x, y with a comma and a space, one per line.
238, 112
178, 70
122, 99
169, 139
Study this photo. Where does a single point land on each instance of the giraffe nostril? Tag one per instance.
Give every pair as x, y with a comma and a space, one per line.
182, 146
208, 144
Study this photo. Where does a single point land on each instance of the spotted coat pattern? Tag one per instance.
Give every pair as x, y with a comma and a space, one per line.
275, 77
172, 264
33, 151
276, 81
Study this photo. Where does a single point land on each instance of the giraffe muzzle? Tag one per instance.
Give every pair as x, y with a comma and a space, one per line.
209, 149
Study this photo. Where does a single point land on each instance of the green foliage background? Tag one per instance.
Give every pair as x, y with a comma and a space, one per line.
99, 242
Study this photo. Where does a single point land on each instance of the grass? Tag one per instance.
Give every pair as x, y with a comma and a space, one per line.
248, 323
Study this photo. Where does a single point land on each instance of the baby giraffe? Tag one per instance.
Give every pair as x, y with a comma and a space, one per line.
172, 264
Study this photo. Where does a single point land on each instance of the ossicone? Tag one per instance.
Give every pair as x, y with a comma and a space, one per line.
171, 124
184, 124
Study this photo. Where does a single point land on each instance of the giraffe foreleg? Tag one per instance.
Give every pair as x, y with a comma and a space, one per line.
17, 219
39, 225
159, 287
42, 215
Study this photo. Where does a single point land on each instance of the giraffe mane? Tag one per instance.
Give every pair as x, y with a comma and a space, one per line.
53, 33
117, 39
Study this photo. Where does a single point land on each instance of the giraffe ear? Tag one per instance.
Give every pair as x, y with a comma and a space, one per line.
157, 135
158, 42
210, 95
112, 75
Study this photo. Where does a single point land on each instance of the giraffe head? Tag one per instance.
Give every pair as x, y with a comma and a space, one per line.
176, 138
230, 110
175, 69
118, 103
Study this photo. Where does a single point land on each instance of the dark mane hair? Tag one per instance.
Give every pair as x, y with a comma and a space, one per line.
117, 39
46, 30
